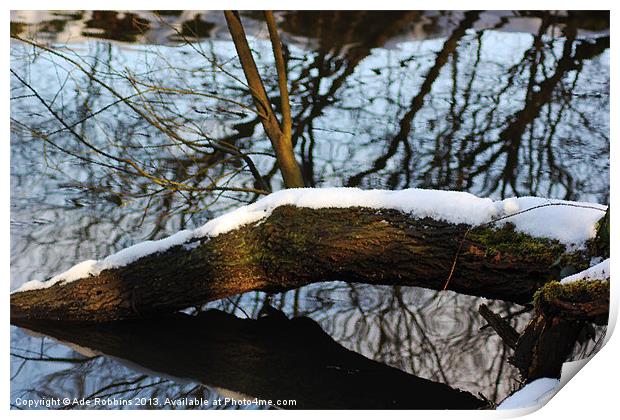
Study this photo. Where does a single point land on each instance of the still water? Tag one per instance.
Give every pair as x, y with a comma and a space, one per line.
498, 104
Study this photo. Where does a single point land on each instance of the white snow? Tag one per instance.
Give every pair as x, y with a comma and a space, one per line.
570, 222
120, 259
78, 271
561, 220
567, 221
133, 253
598, 272
536, 393
451, 206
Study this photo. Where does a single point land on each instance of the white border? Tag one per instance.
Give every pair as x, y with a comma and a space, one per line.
591, 395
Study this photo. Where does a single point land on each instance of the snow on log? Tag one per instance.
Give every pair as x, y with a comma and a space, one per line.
505, 249
533, 395
599, 271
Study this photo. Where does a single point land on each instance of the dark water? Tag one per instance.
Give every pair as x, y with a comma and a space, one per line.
495, 103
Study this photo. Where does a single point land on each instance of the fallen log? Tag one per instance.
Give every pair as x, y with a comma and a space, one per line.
294, 246
434, 239
271, 358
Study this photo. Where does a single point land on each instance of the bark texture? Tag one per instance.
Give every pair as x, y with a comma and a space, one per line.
561, 313
279, 135
297, 246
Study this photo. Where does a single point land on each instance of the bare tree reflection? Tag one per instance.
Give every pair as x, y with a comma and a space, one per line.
473, 141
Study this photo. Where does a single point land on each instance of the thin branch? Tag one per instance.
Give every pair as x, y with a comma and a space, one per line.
255, 82
505, 331
282, 144
281, 69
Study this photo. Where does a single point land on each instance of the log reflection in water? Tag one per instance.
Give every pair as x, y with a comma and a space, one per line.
271, 358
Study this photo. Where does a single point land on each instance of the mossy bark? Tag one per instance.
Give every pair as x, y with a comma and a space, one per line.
561, 311
600, 244
297, 246
582, 300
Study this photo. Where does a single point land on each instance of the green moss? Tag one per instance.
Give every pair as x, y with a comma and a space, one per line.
507, 240
600, 245
577, 292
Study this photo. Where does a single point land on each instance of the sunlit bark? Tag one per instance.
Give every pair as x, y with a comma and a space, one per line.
297, 246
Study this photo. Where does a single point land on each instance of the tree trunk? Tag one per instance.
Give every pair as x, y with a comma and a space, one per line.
280, 136
296, 246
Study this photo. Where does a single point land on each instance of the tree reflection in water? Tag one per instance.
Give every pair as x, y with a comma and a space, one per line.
495, 105
272, 358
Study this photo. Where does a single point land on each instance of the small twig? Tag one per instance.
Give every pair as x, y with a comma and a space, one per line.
583, 206
458, 251
54, 359
509, 335
237, 306
509, 316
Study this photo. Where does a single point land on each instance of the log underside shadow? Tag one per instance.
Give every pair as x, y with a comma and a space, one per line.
269, 358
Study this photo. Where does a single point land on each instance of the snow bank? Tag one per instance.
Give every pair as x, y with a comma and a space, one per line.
566, 221
598, 272
537, 393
